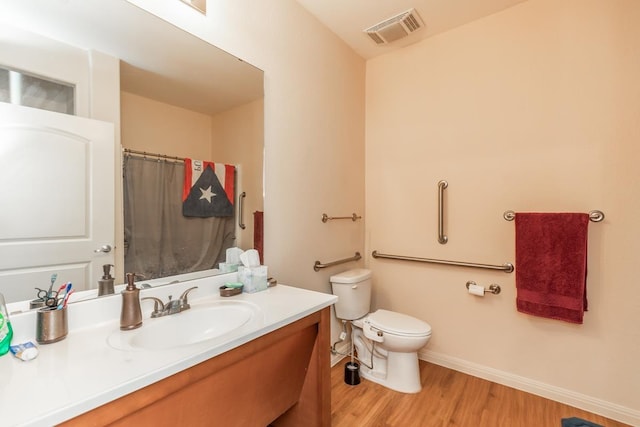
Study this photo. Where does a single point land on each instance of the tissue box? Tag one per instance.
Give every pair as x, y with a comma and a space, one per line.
233, 255
254, 279
227, 267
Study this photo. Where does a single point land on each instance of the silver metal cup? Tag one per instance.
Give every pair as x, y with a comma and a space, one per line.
51, 325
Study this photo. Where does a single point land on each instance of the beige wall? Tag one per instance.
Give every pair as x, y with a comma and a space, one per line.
237, 137
531, 109
156, 127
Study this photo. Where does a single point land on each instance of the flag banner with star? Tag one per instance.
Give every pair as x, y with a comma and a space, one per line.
208, 189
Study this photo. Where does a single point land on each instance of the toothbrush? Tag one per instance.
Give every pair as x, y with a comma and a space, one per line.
63, 300
54, 277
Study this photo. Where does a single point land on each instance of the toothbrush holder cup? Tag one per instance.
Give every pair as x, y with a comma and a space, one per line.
51, 325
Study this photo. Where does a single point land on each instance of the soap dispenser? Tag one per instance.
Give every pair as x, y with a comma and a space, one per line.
105, 285
131, 314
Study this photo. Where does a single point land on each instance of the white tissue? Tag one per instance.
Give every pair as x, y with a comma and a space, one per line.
250, 258
233, 255
476, 290
227, 267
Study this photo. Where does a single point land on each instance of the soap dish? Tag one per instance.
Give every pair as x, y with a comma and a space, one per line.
229, 292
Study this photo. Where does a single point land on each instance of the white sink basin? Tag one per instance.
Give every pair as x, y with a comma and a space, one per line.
202, 322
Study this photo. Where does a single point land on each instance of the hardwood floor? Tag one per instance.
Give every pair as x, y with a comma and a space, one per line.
448, 398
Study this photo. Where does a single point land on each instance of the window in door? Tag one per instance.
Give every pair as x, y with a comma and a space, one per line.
21, 88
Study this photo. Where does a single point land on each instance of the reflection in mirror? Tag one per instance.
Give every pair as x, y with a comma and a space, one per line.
167, 234
171, 93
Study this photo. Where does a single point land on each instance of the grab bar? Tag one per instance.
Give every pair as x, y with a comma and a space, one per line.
442, 238
241, 209
594, 216
318, 265
506, 267
353, 217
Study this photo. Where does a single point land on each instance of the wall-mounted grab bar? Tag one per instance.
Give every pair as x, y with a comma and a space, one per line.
318, 265
353, 217
506, 267
442, 238
594, 216
241, 223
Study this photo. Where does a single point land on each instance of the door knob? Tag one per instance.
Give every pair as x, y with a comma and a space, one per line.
104, 248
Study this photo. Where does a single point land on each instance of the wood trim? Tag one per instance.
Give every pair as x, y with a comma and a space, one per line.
314, 406
249, 385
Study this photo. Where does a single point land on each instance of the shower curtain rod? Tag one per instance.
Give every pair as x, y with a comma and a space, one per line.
160, 156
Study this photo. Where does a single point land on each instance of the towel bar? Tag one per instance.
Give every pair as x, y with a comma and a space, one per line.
353, 217
594, 216
506, 267
318, 265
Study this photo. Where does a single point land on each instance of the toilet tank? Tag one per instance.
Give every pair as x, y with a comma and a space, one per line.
353, 288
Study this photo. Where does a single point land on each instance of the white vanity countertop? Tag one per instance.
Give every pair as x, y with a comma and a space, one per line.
83, 371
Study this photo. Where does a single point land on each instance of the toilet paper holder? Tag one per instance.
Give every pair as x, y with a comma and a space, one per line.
494, 289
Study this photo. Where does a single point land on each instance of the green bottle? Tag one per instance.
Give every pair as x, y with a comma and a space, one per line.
6, 332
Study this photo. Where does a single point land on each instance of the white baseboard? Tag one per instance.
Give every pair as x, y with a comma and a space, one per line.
568, 397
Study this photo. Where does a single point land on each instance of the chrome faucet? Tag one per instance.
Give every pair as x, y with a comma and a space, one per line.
172, 306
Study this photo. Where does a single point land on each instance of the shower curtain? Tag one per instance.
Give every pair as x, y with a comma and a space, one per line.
159, 240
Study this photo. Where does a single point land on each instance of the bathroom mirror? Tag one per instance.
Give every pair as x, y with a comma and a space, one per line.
159, 63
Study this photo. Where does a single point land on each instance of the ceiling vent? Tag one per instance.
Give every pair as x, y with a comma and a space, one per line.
396, 27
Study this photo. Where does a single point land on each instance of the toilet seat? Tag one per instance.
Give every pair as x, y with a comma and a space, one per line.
398, 324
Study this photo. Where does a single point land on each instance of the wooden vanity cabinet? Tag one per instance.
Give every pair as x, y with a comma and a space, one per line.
282, 379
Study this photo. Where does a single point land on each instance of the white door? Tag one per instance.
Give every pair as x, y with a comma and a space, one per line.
56, 200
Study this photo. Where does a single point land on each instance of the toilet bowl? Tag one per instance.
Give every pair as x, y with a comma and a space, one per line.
386, 342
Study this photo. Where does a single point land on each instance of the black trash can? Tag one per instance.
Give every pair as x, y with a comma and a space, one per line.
352, 373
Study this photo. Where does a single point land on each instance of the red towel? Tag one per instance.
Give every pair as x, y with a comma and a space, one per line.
551, 265
258, 236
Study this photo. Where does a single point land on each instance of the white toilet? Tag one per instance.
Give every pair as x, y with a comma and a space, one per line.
387, 342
